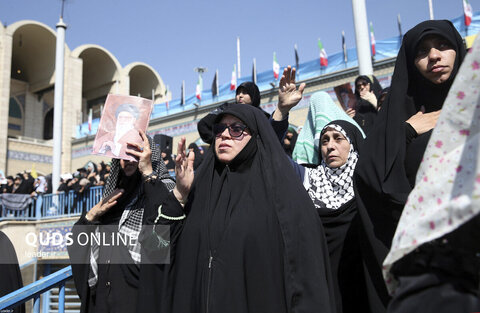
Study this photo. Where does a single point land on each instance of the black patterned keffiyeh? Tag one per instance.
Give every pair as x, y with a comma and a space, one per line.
332, 187
131, 220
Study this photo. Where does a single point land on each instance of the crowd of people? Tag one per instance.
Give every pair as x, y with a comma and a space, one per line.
270, 220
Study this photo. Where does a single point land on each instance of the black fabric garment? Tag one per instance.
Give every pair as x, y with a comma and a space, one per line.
252, 90
26, 186
116, 289
442, 275
198, 155
342, 240
365, 112
11, 277
292, 141
169, 163
385, 172
251, 241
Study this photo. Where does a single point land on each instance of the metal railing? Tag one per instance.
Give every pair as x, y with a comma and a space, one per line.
36, 289
54, 205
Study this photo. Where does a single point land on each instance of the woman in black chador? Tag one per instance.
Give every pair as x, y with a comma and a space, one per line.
426, 66
330, 186
367, 92
111, 277
248, 238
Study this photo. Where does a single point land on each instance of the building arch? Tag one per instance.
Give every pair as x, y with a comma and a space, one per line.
143, 80
100, 76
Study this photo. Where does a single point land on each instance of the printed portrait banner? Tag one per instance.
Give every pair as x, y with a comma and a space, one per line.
345, 96
121, 120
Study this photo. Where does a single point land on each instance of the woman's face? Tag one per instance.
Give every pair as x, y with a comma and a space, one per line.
334, 147
128, 167
226, 146
435, 58
362, 86
243, 97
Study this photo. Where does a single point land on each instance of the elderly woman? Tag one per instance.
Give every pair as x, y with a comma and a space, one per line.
330, 187
240, 243
426, 66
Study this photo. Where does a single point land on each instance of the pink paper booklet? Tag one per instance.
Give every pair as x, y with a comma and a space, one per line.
122, 118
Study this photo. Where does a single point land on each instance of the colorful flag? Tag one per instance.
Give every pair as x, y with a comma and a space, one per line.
323, 54
297, 59
198, 90
233, 81
215, 85
90, 117
276, 66
344, 47
467, 10
372, 39
33, 172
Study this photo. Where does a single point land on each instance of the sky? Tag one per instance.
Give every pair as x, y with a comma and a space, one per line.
175, 36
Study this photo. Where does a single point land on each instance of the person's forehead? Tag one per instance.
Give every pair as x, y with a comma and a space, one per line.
431, 38
329, 131
230, 119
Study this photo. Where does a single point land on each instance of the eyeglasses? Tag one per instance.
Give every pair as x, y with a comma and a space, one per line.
235, 130
360, 85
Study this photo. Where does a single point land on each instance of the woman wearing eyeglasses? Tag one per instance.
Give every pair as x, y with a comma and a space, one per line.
240, 243
367, 92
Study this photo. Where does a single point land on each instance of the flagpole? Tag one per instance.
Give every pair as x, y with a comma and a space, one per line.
238, 57
430, 6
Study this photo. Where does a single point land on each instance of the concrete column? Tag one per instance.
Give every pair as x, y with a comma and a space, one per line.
362, 37
5, 74
72, 108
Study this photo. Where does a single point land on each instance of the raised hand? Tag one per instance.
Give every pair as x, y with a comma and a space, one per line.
142, 153
183, 172
103, 206
288, 94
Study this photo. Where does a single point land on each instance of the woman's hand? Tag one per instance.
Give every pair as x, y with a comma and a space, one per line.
370, 97
288, 94
143, 154
183, 172
350, 112
103, 206
423, 122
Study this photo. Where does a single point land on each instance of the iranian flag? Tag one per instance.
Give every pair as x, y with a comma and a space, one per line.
198, 90
467, 10
372, 39
90, 117
233, 81
276, 67
323, 54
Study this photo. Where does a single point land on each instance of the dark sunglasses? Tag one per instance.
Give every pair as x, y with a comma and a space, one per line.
235, 130
359, 85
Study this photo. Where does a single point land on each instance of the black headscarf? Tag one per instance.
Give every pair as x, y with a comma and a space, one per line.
198, 155
374, 86
11, 277
267, 255
383, 171
342, 239
252, 90
366, 113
